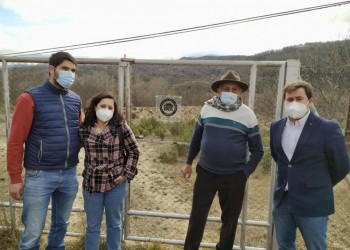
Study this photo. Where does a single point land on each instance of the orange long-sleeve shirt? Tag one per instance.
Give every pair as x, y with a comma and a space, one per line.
21, 123
20, 127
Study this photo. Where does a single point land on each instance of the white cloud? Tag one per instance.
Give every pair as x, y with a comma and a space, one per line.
47, 24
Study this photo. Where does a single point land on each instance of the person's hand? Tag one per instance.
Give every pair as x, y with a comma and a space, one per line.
16, 191
120, 179
186, 171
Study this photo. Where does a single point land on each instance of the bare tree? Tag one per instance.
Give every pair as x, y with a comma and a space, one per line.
330, 75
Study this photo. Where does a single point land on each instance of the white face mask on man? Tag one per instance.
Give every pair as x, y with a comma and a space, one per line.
296, 110
228, 98
65, 78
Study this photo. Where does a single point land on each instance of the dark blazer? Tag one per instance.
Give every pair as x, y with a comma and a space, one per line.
320, 161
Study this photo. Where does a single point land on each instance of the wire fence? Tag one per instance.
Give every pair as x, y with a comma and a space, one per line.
160, 199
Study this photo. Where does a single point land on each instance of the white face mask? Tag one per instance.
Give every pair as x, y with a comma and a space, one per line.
65, 78
228, 98
104, 114
296, 110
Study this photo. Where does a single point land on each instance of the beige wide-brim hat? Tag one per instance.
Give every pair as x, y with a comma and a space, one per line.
230, 76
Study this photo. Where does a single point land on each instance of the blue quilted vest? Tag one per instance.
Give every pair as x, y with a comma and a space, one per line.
53, 141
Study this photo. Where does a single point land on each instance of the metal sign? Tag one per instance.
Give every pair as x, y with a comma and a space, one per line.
168, 108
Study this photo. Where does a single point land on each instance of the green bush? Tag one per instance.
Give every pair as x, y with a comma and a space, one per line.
179, 131
160, 132
168, 157
182, 131
134, 115
181, 149
177, 150
266, 161
9, 237
150, 126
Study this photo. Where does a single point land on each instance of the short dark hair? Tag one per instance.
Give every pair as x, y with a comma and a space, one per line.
90, 114
59, 57
298, 84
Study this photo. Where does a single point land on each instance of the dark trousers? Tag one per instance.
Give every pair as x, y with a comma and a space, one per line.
230, 188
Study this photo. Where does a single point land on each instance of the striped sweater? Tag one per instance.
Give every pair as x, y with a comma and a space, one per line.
229, 142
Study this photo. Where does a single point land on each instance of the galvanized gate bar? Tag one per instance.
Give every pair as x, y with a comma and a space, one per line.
288, 71
253, 71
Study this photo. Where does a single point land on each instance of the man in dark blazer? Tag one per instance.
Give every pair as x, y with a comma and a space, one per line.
311, 156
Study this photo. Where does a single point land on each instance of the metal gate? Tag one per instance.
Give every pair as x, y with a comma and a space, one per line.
155, 209
151, 214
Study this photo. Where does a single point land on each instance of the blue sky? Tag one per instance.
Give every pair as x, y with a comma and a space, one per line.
9, 17
40, 24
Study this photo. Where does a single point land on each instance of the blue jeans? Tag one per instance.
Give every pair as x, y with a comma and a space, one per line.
94, 204
313, 229
39, 187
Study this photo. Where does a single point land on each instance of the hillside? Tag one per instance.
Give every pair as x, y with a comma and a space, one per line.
321, 51
325, 65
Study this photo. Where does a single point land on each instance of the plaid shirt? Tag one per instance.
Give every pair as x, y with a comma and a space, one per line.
104, 160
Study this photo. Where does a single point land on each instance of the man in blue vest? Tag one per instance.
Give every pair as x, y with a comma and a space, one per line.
46, 120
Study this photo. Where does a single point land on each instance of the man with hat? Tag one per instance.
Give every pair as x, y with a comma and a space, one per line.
226, 129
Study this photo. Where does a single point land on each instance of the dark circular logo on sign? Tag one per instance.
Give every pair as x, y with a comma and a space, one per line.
168, 107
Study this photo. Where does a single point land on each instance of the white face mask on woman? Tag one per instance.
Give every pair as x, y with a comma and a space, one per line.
296, 110
104, 114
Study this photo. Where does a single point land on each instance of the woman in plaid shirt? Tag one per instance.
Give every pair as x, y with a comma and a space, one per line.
106, 168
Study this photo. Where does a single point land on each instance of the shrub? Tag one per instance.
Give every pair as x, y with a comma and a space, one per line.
150, 126
265, 162
168, 157
9, 236
179, 131
182, 131
177, 150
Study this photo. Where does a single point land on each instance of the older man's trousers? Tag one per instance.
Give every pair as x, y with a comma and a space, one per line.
230, 189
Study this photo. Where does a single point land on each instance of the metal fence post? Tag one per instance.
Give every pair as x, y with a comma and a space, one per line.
5, 80
291, 73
